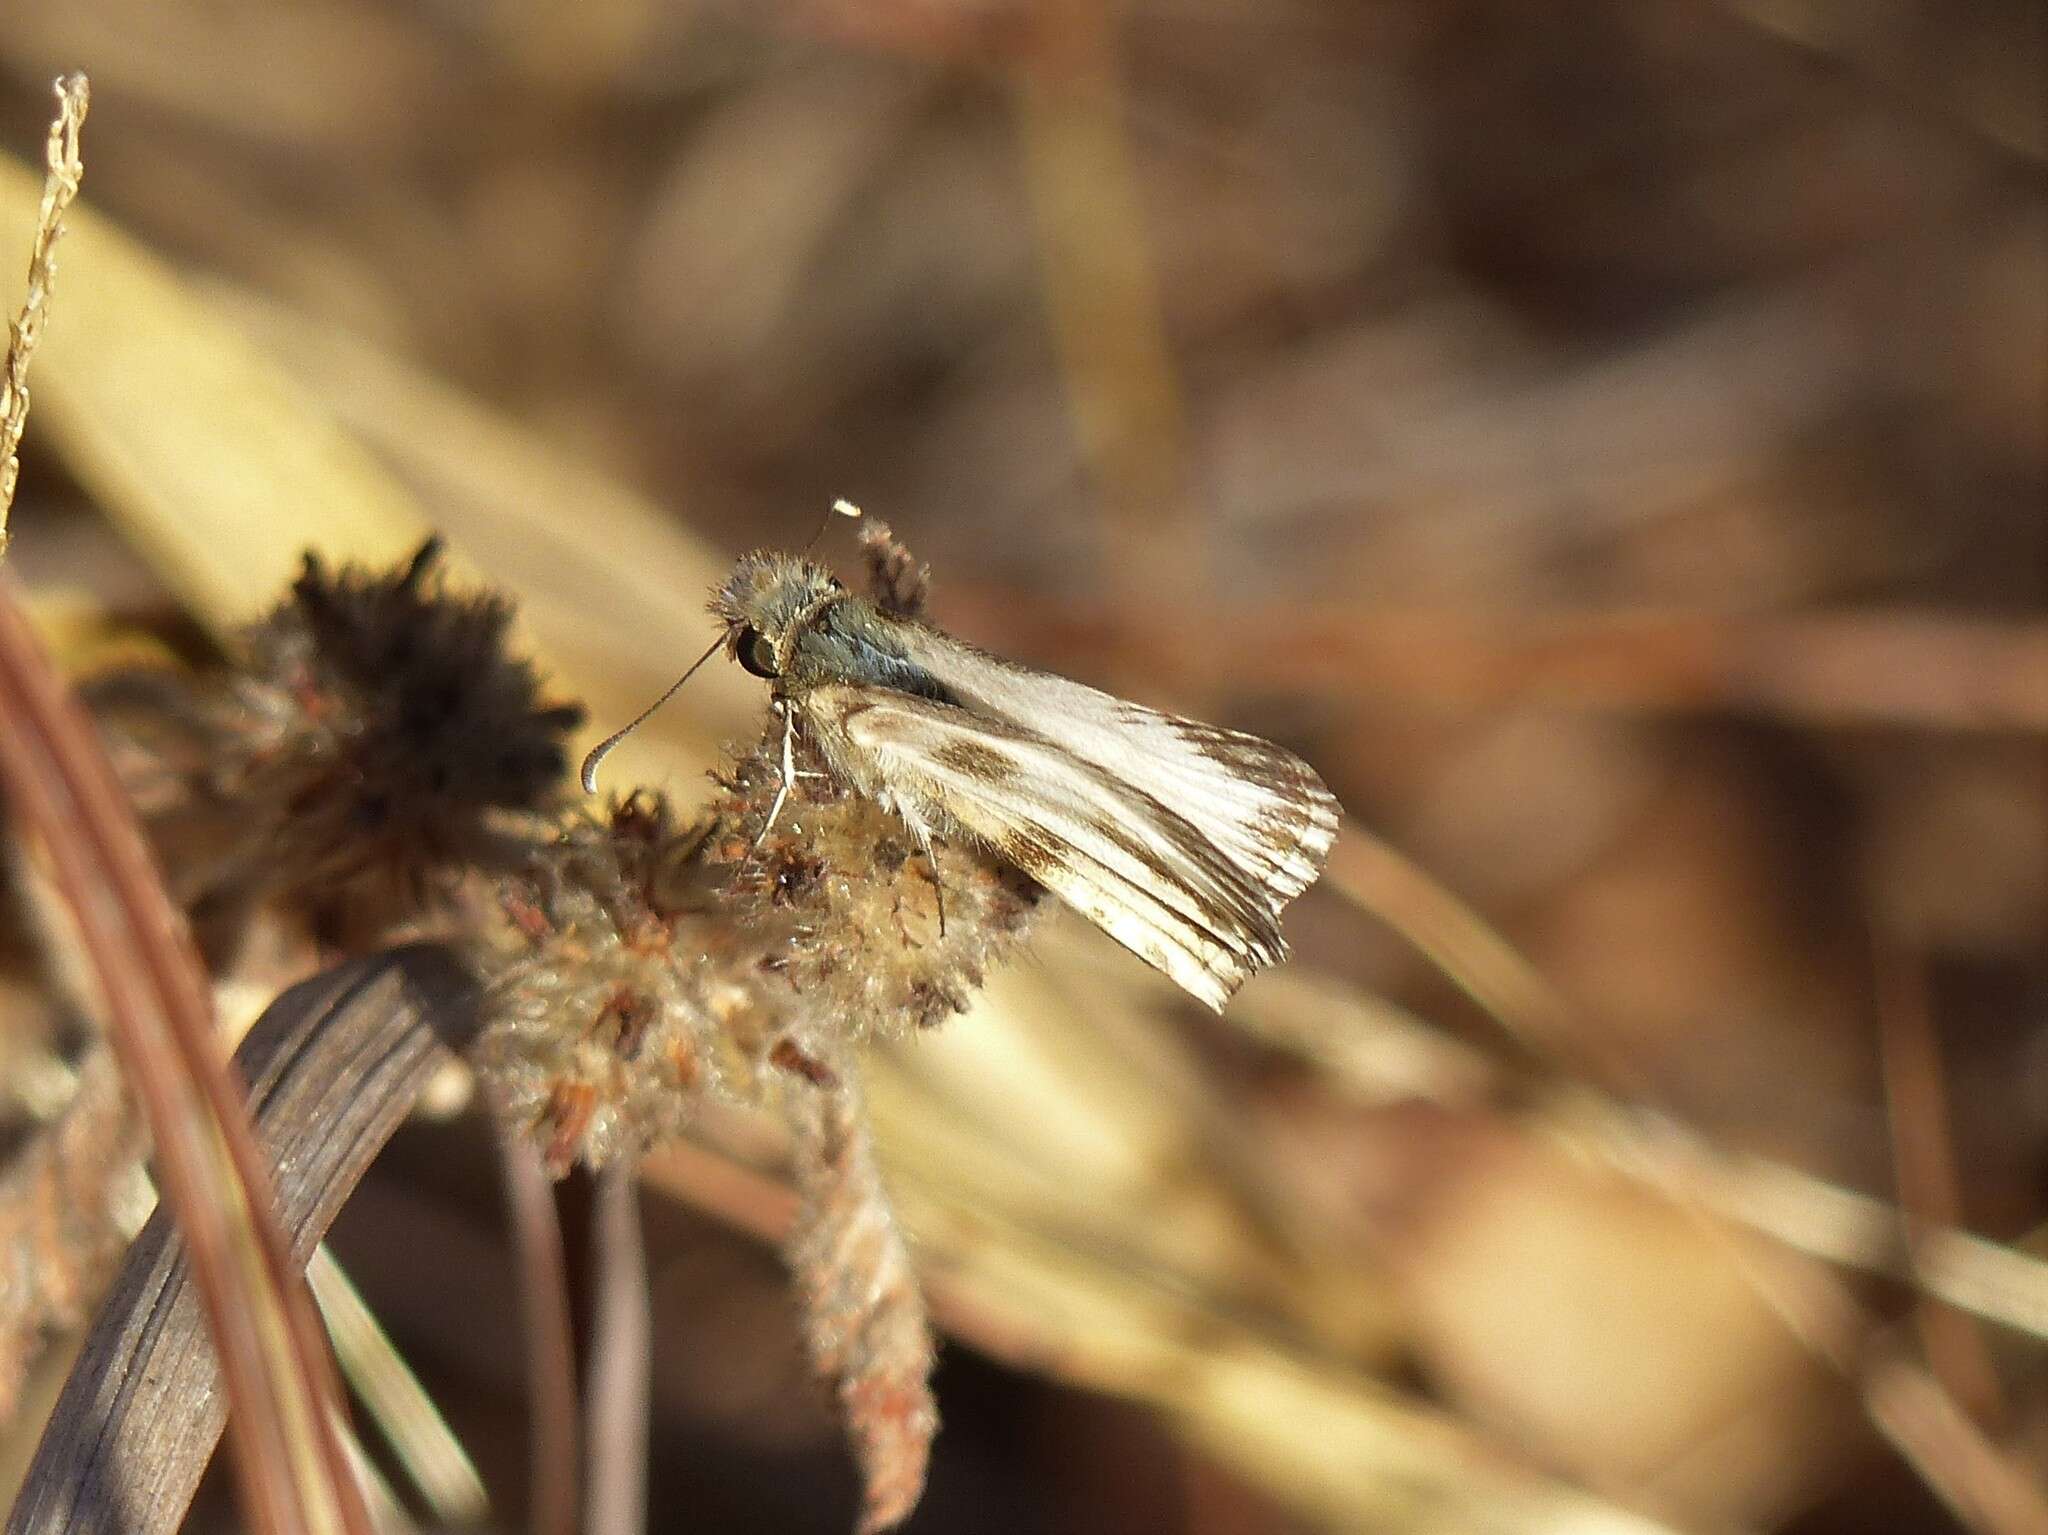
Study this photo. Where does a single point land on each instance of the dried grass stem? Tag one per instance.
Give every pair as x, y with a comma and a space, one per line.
60, 185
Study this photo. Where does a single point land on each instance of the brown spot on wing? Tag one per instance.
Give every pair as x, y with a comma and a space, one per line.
971, 759
1038, 852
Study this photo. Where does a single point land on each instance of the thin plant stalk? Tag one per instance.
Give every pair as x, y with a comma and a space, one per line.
621, 1378
550, 1338
65, 170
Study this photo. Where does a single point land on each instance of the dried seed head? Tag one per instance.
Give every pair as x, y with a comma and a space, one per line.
640, 966
871, 935
610, 1016
404, 727
375, 742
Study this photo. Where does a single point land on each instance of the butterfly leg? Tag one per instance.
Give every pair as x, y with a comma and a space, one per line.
788, 771
938, 887
923, 836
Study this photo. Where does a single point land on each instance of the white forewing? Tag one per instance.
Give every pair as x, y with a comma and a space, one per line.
1137, 820
1256, 803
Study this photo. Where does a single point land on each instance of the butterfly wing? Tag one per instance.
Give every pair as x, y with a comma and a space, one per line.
1200, 907
1258, 804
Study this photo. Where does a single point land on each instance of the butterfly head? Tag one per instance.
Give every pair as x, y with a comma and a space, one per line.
765, 603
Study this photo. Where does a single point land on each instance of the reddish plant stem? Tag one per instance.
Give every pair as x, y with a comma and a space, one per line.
160, 1022
550, 1338
1929, 1181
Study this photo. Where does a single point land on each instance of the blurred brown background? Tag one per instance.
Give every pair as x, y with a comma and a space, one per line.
1609, 439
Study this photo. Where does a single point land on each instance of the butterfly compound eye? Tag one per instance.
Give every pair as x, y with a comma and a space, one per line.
756, 654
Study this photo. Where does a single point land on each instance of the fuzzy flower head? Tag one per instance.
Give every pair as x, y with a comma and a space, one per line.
394, 739
619, 998
372, 742
644, 963
869, 932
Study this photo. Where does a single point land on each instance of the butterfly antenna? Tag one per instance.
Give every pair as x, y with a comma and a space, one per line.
603, 749
840, 508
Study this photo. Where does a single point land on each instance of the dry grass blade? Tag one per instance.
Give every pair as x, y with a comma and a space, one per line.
1803, 1212
60, 186
333, 1067
1986, 1489
1953, 1456
1101, 292
295, 1475
613, 612
1810, 1215
392, 1395
1365, 1047
1950, 1452
1929, 1186
139, 390
1485, 966
196, 438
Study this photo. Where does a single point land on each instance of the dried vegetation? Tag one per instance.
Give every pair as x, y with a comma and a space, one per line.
1609, 440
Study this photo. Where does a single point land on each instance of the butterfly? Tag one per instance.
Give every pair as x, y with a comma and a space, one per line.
1182, 841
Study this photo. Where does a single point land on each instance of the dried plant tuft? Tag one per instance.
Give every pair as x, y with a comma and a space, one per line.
375, 742
642, 963
864, 1317
609, 1017
866, 931
400, 725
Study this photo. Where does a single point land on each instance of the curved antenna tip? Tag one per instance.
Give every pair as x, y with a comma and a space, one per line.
603, 748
